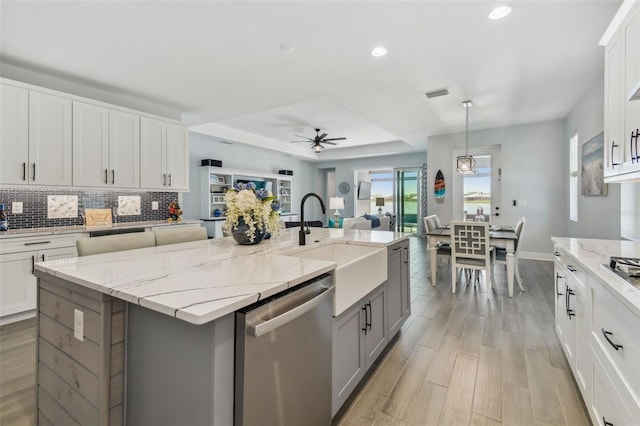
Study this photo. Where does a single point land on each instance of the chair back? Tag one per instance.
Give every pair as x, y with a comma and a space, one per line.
470, 242
430, 222
174, 235
111, 243
519, 230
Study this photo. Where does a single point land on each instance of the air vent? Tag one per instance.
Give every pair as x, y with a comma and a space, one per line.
436, 93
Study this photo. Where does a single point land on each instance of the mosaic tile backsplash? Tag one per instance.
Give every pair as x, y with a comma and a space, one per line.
36, 214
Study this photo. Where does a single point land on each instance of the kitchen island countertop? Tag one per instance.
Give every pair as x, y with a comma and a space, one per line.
201, 281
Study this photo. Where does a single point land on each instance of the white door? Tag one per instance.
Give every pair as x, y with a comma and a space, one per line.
124, 149
50, 139
14, 136
480, 193
153, 148
17, 283
90, 145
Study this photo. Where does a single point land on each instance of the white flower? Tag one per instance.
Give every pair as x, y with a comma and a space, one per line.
254, 209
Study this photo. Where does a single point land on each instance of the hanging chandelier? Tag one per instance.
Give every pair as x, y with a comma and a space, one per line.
466, 164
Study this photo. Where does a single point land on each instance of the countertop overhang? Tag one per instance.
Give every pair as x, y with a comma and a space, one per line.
591, 254
204, 280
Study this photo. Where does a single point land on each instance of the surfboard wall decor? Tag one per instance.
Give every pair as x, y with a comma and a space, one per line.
439, 187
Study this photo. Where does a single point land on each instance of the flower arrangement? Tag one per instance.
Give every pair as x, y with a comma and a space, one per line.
257, 208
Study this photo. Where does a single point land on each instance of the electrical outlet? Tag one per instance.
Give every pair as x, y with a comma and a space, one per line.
154, 205
78, 325
16, 207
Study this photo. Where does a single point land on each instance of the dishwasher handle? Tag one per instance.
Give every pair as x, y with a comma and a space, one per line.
264, 327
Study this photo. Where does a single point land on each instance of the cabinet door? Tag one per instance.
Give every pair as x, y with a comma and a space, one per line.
49, 139
348, 356
90, 145
613, 154
14, 136
575, 332
124, 149
153, 148
406, 282
17, 283
376, 335
395, 305
630, 34
177, 157
560, 301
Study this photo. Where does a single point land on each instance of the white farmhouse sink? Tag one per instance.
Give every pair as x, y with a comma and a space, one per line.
360, 269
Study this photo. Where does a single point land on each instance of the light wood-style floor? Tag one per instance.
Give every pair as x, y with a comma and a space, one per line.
473, 358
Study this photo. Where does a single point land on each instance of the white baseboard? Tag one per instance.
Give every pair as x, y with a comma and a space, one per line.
17, 317
534, 255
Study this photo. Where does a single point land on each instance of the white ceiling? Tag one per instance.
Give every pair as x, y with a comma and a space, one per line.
262, 72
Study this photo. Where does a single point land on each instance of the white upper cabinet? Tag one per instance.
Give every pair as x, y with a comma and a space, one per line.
622, 116
36, 138
49, 139
14, 136
164, 150
106, 147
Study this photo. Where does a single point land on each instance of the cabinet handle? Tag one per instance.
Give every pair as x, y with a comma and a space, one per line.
42, 257
113, 176
558, 276
169, 179
24, 171
606, 423
570, 312
370, 316
571, 268
106, 176
613, 145
164, 179
633, 157
556, 253
33, 265
34, 171
606, 335
37, 243
636, 144
366, 319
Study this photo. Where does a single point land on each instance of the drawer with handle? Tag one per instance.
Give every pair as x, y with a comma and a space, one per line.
617, 332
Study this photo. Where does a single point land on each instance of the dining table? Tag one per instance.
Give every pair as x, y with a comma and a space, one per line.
498, 236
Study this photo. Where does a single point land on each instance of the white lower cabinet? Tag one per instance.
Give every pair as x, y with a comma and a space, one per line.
601, 340
17, 280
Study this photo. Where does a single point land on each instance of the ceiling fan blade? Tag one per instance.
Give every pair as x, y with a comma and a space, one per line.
300, 141
329, 143
303, 137
335, 139
322, 136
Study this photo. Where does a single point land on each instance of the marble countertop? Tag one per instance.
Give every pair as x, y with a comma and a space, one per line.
204, 280
34, 232
591, 254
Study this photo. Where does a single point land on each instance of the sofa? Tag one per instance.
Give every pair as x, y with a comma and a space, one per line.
362, 222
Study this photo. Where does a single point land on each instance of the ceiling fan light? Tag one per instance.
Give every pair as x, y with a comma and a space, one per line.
466, 165
499, 12
317, 148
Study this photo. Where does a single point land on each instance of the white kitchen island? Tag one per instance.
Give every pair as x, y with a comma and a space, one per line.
166, 355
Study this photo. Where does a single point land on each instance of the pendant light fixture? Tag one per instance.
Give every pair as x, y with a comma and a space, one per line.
466, 164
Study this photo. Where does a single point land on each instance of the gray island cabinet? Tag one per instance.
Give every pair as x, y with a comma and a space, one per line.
147, 336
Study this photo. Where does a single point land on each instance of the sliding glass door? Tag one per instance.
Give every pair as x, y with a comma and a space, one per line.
407, 199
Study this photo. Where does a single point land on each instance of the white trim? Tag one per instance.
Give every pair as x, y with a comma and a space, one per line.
616, 21
17, 317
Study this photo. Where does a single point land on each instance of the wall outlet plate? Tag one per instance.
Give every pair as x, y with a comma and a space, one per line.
154, 205
78, 324
16, 207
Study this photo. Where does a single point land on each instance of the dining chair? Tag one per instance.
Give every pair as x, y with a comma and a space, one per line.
501, 252
443, 250
111, 243
470, 249
171, 235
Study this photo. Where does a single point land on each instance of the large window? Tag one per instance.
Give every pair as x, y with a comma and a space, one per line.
477, 190
573, 177
381, 187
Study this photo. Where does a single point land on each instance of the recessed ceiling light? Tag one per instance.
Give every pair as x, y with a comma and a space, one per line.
379, 51
499, 12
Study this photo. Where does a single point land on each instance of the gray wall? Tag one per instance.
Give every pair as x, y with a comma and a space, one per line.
533, 158
345, 172
239, 156
598, 217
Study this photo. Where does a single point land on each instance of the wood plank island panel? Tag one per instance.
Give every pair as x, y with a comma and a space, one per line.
79, 381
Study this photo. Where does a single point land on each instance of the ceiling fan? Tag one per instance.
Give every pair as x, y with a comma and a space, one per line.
318, 140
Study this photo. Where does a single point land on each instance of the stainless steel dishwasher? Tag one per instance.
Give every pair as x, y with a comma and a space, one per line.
283, 358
